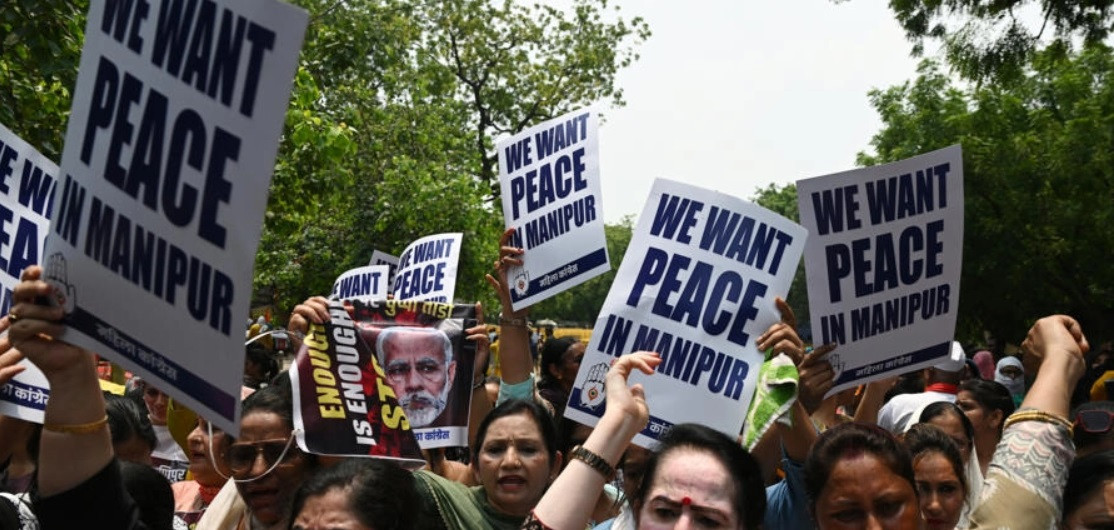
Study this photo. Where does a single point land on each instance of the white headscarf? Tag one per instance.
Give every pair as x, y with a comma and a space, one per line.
1015, 386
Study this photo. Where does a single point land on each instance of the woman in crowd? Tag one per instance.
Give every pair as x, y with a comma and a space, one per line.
938, 470
698, 476
357, 494
514, 459
133, 439
1089, 495
950, 419
987, 405
859, 476
265, 462
560, 363
209, 471
1010, 373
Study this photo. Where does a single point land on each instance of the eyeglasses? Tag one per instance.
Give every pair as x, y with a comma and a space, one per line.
1095, 421
242, 457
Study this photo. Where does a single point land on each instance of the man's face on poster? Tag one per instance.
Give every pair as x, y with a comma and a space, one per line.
416, 367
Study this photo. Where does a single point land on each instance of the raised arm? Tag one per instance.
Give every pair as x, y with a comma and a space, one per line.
514, 335
75, 442
568, 503
481, 404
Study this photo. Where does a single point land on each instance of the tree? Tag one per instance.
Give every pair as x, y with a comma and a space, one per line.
997, 39
783, 201
1038, 184
40, 44
582, 304
393, 119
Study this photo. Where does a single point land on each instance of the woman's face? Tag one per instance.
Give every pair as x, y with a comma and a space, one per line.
201, 465
690, 489
156, 402
953, 427
330, 511
862, 492
513, 465
570, 363
269, 498
1096, 511
941, 494
986, 422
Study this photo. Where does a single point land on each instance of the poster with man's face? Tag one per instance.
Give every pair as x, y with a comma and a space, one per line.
427, 362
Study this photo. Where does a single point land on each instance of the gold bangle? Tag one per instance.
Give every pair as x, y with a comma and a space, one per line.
80, 428
1039, 415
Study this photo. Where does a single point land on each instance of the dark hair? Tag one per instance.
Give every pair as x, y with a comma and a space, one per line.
941, 408
127, 419
552, 352
750, 492
380, 494
152, 494
990, 395
1086, 475
925, 438
1083, 439
542, 418
852, 439
277, 398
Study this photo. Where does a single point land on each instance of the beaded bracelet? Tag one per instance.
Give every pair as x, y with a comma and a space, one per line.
79, 428
1039, 415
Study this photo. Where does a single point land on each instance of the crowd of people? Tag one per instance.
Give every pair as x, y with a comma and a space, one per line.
971, 442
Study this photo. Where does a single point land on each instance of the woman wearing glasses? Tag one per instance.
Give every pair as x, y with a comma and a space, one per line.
265, 462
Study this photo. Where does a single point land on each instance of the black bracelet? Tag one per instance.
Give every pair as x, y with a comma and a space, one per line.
593, 460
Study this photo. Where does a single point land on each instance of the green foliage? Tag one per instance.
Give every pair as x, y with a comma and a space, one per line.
582, 304
1039, 184
984, 40
392, 121
40, 45
783, 201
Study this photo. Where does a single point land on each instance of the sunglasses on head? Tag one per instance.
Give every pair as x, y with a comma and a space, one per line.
242, 457
1095, 421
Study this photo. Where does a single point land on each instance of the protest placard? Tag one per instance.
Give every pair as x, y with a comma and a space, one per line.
427, 269
697, 285
378, 257
363, 283
412, 355
27, 182
343, 404
550, 178
171, 139
883, 263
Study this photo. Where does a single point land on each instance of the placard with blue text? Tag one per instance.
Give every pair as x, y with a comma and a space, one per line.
883, 263
427, 269
378, 257
27, 182
362, 283
550, 180
697, 285
170, 145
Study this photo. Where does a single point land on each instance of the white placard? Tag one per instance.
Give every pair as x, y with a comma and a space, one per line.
550, 180
27, 182
883, 263
697, 285
362, 283
173, 133
427, 269
378, 257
